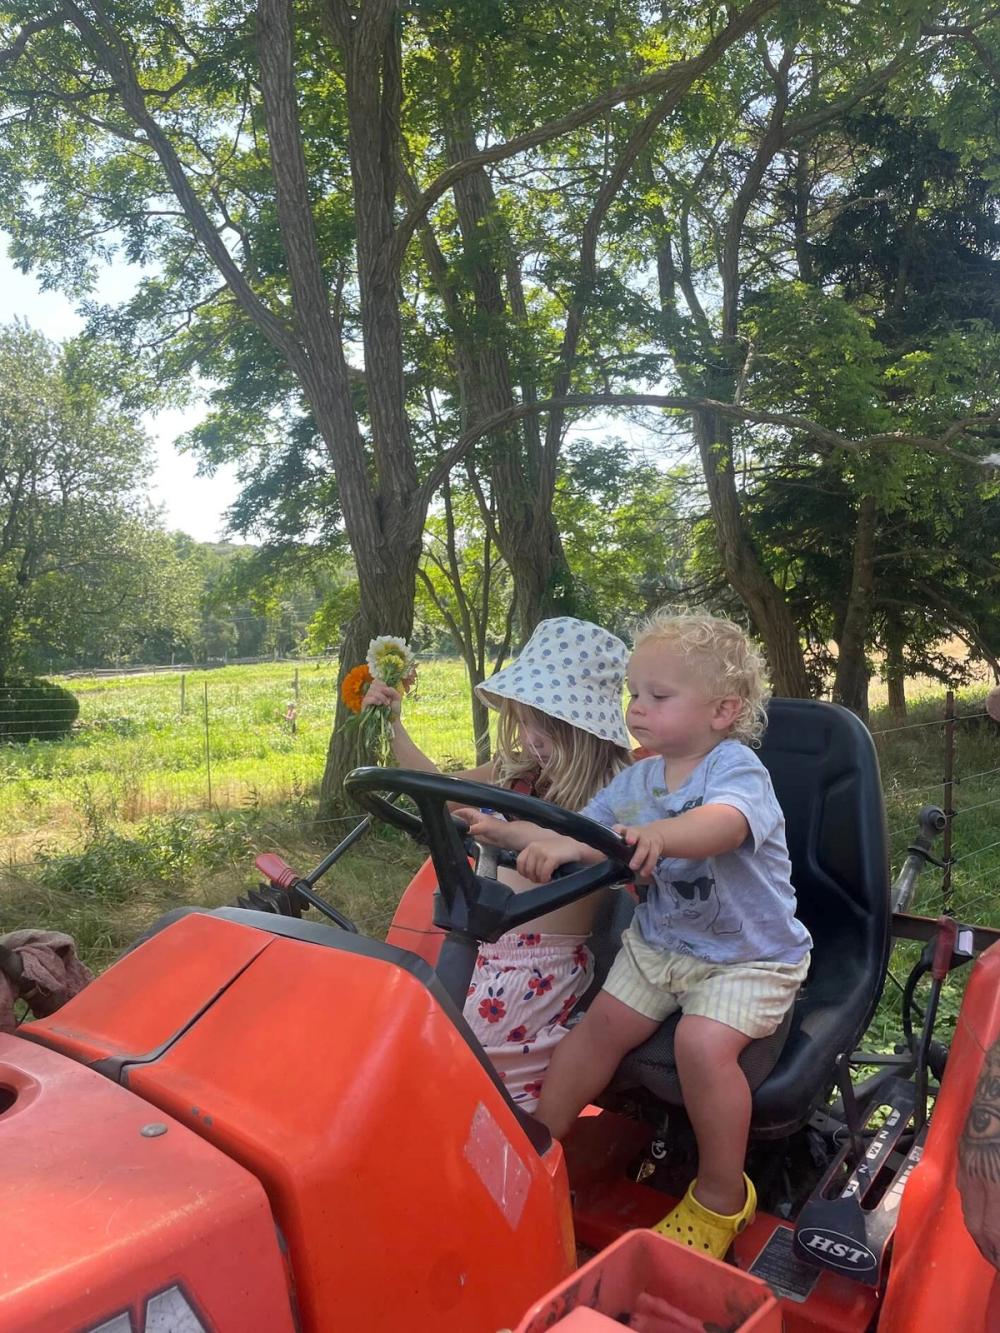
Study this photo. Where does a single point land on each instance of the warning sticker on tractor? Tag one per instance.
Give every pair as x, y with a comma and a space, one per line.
782, 1269
494, 1159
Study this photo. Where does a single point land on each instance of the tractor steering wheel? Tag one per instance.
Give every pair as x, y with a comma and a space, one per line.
474, 908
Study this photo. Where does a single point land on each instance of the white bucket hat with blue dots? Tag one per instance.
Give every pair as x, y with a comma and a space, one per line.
569, 669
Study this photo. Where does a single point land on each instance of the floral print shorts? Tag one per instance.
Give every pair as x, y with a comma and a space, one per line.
523, 990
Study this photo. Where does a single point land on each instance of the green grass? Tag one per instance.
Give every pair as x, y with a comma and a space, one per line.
102, 831
137, 752
912, 762
107, 893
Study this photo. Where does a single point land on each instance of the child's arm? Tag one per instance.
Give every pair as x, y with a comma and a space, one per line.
409, 755
512, 835
710, 830
542, 857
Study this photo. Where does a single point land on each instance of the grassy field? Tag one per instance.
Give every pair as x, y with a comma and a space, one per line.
164, 792
144, 805
157, 744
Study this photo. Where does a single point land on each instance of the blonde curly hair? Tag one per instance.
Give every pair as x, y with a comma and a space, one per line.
728, 662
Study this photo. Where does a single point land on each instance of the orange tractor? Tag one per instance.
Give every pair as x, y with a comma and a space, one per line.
257, 1122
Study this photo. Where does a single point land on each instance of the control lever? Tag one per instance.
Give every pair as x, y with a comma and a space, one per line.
842, 1065
931, 820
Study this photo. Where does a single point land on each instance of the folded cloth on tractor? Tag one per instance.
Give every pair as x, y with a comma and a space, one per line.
40, 967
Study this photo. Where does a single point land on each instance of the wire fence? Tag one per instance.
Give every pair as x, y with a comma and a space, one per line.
956, 753
149, 744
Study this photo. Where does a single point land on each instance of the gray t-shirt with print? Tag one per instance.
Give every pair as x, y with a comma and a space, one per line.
735, 908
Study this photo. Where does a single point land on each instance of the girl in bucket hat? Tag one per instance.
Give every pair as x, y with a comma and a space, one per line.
561, 736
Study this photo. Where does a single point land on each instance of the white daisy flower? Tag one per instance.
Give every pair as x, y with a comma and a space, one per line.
390, 659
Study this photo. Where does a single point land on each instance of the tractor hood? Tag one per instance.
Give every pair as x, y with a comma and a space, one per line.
118, 1218
336, 1074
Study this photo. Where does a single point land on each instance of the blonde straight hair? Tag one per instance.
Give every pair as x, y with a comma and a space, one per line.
580, 765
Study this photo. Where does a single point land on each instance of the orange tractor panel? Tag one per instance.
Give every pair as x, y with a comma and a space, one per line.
126, 1015
105, 1225
938, 1279
413, 922
336, 1076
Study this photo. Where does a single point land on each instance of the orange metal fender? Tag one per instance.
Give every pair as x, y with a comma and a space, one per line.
938, 1279
117, 1217
413, 925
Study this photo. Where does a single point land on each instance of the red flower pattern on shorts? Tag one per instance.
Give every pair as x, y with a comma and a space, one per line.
520, 1036
519, 1016
492, 1010
538, 985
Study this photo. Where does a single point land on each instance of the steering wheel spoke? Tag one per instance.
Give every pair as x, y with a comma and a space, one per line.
473, 904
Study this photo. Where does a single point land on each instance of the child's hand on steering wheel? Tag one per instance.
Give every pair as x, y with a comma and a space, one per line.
510, 835
650, 843
542, 858
486, 828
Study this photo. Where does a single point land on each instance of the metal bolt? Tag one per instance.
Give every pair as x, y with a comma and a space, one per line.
153, 1131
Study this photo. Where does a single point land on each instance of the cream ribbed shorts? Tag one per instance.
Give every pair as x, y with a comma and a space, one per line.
753, 998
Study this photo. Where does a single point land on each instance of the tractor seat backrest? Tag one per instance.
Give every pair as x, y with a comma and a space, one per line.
825, 772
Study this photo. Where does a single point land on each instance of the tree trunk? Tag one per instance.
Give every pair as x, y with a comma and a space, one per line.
762, 597
543, 582
742, 565
481, 729
850, 686
803, 252
895, 671
526, 531
384, 528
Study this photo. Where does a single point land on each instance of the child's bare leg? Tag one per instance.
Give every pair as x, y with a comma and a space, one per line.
717, 1100
585, 1060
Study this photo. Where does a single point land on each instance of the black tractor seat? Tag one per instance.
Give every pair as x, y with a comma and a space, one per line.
825, 772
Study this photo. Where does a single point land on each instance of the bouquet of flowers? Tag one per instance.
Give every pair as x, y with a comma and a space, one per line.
390, 660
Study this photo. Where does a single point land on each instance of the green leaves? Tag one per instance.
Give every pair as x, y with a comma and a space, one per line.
814, 354
83, 565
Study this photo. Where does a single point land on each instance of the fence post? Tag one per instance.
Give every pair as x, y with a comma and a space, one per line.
295, 685
949, 808
208, 750
183, 703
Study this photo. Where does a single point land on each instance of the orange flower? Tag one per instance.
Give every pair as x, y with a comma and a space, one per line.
354, 686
